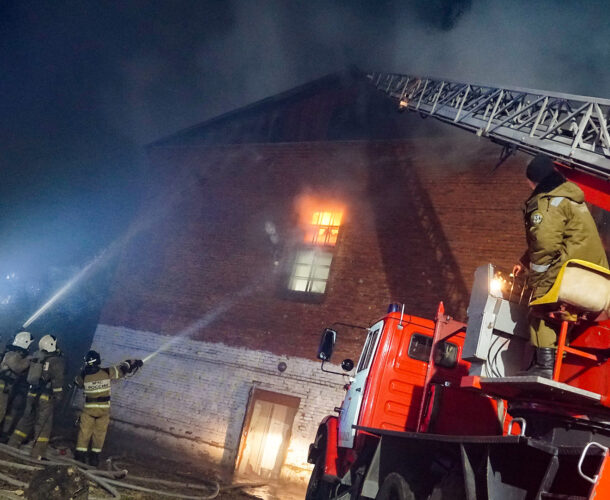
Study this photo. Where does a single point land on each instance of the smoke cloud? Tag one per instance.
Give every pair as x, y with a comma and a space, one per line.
86, 84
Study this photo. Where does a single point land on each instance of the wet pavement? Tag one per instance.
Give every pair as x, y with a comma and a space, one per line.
278, 491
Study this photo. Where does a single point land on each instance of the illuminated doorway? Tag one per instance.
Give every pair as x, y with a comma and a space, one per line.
266, 433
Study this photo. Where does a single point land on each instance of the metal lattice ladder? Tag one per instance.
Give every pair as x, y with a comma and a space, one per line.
571, 129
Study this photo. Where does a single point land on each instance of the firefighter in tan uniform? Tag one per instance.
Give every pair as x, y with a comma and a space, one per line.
95, 416
559, 227
13, 384
46, 378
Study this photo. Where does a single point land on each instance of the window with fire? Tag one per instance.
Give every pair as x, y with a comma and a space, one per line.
311, 267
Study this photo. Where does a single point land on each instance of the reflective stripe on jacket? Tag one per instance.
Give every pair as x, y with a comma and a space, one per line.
96, 386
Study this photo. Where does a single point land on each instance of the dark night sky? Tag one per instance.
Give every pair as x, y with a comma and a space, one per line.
84, 84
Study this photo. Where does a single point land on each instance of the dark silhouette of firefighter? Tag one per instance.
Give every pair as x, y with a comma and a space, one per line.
558, 227
13, 381
45, 378
95, 416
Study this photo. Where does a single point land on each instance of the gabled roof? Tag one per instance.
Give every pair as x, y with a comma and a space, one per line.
338, 106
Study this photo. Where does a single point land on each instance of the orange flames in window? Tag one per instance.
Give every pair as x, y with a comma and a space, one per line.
324, 228
319, 219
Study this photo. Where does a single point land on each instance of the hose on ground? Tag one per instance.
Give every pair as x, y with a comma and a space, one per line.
165, 482
23, 456
10, 480
104, 483
180, 484
15, 465
128, 486
107, 480
9, 495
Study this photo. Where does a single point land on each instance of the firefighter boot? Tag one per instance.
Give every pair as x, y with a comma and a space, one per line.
94, 459
81, 456
544, 361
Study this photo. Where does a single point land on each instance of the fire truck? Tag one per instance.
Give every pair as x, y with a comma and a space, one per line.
441, 409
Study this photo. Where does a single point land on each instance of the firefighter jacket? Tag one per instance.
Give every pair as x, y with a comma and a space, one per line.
14, 366
46, 374
96, 386
558, 227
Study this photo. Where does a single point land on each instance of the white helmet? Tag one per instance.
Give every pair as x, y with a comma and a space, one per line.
48, 343
23, 340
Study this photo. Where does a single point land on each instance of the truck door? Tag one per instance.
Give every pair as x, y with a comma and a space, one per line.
353, 398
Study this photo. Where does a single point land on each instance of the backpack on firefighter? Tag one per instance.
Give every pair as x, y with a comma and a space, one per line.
45, 378
13, 386
15, 361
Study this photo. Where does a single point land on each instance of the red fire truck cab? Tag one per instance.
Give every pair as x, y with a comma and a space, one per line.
439, 409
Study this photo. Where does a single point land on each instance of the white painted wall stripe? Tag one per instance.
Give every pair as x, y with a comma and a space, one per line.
199, 391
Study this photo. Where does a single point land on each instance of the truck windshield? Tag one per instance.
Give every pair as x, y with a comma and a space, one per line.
369, 349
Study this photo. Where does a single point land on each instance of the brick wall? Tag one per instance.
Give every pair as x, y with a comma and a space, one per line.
421, 216
205, 240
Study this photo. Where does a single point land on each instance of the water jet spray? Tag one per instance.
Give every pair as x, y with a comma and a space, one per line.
203, 321
105, 255
62, 291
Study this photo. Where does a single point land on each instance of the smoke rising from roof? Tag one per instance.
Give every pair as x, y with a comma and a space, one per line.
86, 84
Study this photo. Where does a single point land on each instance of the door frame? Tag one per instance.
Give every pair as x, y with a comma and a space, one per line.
255, 395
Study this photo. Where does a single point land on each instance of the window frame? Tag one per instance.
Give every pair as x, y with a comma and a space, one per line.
311, 279
330, 230
324, 249
444, 344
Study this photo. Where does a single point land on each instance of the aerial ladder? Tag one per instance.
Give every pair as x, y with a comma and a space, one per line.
571, 129
410, 432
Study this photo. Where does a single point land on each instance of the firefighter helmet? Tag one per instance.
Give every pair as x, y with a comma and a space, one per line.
93, 358
23, 340
48, 343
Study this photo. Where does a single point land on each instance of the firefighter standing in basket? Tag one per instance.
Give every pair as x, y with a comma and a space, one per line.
13, 384
559, 227
95, 416
46, 378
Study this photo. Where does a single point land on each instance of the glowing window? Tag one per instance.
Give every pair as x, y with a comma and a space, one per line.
310, 271
324, 228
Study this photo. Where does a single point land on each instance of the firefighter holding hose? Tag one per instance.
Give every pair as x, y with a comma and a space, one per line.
46, 378
13, 384
95, 416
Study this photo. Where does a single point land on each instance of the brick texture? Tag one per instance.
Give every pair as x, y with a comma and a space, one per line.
421, 215
418, 224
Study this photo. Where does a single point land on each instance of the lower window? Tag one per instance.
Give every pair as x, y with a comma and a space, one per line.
310, 271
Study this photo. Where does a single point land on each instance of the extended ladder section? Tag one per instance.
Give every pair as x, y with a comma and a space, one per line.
571, 129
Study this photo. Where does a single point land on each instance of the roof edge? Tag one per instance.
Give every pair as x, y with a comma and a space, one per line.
350, 71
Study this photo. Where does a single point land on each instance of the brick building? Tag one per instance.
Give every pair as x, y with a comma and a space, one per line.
265, 225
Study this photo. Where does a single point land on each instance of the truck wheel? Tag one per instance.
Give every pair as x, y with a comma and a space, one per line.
317, 488
450, 487
395, 487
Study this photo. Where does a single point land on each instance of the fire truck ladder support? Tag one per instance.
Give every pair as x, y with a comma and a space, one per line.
569, 128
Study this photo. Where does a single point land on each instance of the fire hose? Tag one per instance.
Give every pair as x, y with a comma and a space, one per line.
107, 480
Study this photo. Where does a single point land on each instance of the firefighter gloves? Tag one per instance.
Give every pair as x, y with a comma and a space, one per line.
134, 365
